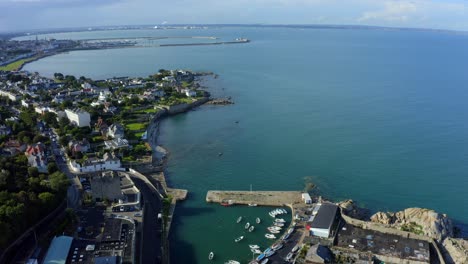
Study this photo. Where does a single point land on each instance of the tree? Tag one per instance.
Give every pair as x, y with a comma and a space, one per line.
51, 119
58, 182
47, 199
33, 172
52, 167
58, 76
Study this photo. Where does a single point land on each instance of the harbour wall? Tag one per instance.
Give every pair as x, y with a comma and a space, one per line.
264, 198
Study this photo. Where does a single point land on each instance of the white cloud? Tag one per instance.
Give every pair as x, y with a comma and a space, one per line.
416, 11
393, 11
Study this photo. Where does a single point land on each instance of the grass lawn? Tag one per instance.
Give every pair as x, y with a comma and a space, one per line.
136, 126
16, 65
149, 111
139, 134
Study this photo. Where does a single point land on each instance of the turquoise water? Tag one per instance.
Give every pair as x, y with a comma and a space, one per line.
376, 116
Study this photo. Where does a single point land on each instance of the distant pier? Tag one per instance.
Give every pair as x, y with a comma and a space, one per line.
263, 198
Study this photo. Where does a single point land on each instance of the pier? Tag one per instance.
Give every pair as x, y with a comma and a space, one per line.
263, 198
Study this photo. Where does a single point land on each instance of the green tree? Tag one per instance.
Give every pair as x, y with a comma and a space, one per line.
33, 172
52, 167
47, 199
58, 182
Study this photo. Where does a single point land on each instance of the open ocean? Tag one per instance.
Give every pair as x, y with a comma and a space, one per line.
377, 116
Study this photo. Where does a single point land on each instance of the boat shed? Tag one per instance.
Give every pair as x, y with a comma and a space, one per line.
58, 250
324, 220
306, 198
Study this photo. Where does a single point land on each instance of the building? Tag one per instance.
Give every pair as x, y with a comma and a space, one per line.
78, 117
58, 250
116, 131
189, 93
116, 143
10, 95
306, 198
82, 146
108, 162
106, 260
37, 157
324, 221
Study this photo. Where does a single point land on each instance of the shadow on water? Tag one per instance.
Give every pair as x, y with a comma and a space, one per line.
178, 245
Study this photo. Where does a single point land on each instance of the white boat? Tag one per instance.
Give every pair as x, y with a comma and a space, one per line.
274, 231
256, 251
270, 236
251, 228
289, 256
254, 247
252, 204
232, 262
238, 239
278, 211
290, 230
211, 256
278, 224
239, 219
258, 220
265, 261
295, 248
272, 214
280, 220
277, 245
247, 225
284, 211
274, 228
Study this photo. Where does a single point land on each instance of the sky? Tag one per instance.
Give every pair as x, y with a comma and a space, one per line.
20, 15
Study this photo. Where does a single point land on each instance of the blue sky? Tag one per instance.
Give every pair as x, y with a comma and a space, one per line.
38, 14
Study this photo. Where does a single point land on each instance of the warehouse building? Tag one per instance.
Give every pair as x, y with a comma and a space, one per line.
325, 220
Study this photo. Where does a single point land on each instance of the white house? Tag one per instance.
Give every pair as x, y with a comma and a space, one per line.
108, 162
189, 93
10, 95
78, 117
306, 198
103, 95
116, 131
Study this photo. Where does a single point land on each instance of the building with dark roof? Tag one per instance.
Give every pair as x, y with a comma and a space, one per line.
324, 220
58, 250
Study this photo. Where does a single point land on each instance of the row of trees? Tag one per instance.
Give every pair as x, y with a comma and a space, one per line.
26, 196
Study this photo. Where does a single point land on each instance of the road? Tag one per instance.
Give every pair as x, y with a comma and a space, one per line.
151, 251
73, 193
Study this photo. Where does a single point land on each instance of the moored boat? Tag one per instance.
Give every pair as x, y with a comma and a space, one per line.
247, 225
280, 220
270, 236
286, 236
277, 245
258, 220
238, 239
251, 228
278, 224
256, 251
295, 248
260, 257
239, 219
269, 254
227, 202
289, 256
232, 262
265, 261
211, 256
274, 231
252, 204
254, 247
272, 214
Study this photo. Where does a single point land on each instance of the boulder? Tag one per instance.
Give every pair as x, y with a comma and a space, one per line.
455, 250
418, 220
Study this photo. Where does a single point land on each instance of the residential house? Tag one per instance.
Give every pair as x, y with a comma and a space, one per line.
116, 131
102, 127
78, 117
108, 162
116, 143
82, 146
37, 157
189, 93
5, 130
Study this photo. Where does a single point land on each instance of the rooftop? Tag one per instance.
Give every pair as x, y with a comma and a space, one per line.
383, 244
325, 216
112, 229
58, 250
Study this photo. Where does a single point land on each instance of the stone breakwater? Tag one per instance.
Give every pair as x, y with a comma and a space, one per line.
265, 198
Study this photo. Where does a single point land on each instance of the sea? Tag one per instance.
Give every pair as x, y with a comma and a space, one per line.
377, 116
